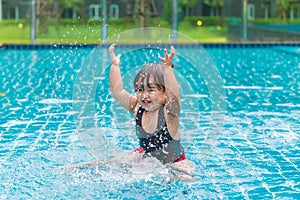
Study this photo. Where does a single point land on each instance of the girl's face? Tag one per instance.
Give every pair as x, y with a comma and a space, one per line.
150, 96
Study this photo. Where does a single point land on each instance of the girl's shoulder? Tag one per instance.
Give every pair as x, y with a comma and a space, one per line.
136, 109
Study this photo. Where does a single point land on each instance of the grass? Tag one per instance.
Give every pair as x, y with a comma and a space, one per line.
13, 32
18, 31
204, 34
89, 31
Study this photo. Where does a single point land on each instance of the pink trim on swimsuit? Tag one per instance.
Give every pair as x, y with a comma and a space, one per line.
141, 150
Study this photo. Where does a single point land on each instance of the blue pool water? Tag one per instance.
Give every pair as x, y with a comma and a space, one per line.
44, 95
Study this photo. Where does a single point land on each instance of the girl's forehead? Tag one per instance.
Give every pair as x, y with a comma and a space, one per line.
146, 79
150, 83
147, 86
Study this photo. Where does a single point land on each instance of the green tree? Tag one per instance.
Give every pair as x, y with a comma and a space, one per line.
42, 8
73, 4
167, 13
47, 9
215, 4
142, 13
284, 5
190, 3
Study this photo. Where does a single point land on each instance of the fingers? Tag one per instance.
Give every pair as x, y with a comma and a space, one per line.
161, 58
114, 59
166, 53
167, 59
111, 51
111, 48
172, 54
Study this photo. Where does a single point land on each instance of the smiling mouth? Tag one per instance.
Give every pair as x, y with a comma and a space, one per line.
146, 103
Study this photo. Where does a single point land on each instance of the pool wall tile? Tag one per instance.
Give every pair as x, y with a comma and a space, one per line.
139, 45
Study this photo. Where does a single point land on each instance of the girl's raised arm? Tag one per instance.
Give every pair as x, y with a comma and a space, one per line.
125, 99
171, 85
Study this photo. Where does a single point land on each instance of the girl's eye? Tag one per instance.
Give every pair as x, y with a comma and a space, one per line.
151, 89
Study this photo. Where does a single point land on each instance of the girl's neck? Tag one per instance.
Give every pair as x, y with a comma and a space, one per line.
152, 112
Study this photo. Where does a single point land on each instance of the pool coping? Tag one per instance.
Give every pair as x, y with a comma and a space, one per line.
244, 44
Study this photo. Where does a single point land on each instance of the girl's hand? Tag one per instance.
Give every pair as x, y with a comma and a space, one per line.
168, 57
114, 59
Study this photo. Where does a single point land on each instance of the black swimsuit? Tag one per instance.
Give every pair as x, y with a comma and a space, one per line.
158, 144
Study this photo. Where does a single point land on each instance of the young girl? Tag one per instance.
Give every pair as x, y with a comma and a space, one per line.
156, 108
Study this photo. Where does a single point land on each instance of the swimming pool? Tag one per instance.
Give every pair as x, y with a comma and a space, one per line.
257, 154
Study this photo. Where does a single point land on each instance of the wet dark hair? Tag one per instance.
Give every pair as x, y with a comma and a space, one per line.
154, 70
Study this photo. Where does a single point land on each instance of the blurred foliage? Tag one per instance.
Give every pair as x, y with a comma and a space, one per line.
167, 12
214, 3
206, 21
74, 4
284, 5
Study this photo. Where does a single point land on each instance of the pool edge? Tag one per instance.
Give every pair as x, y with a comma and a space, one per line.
234, 44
